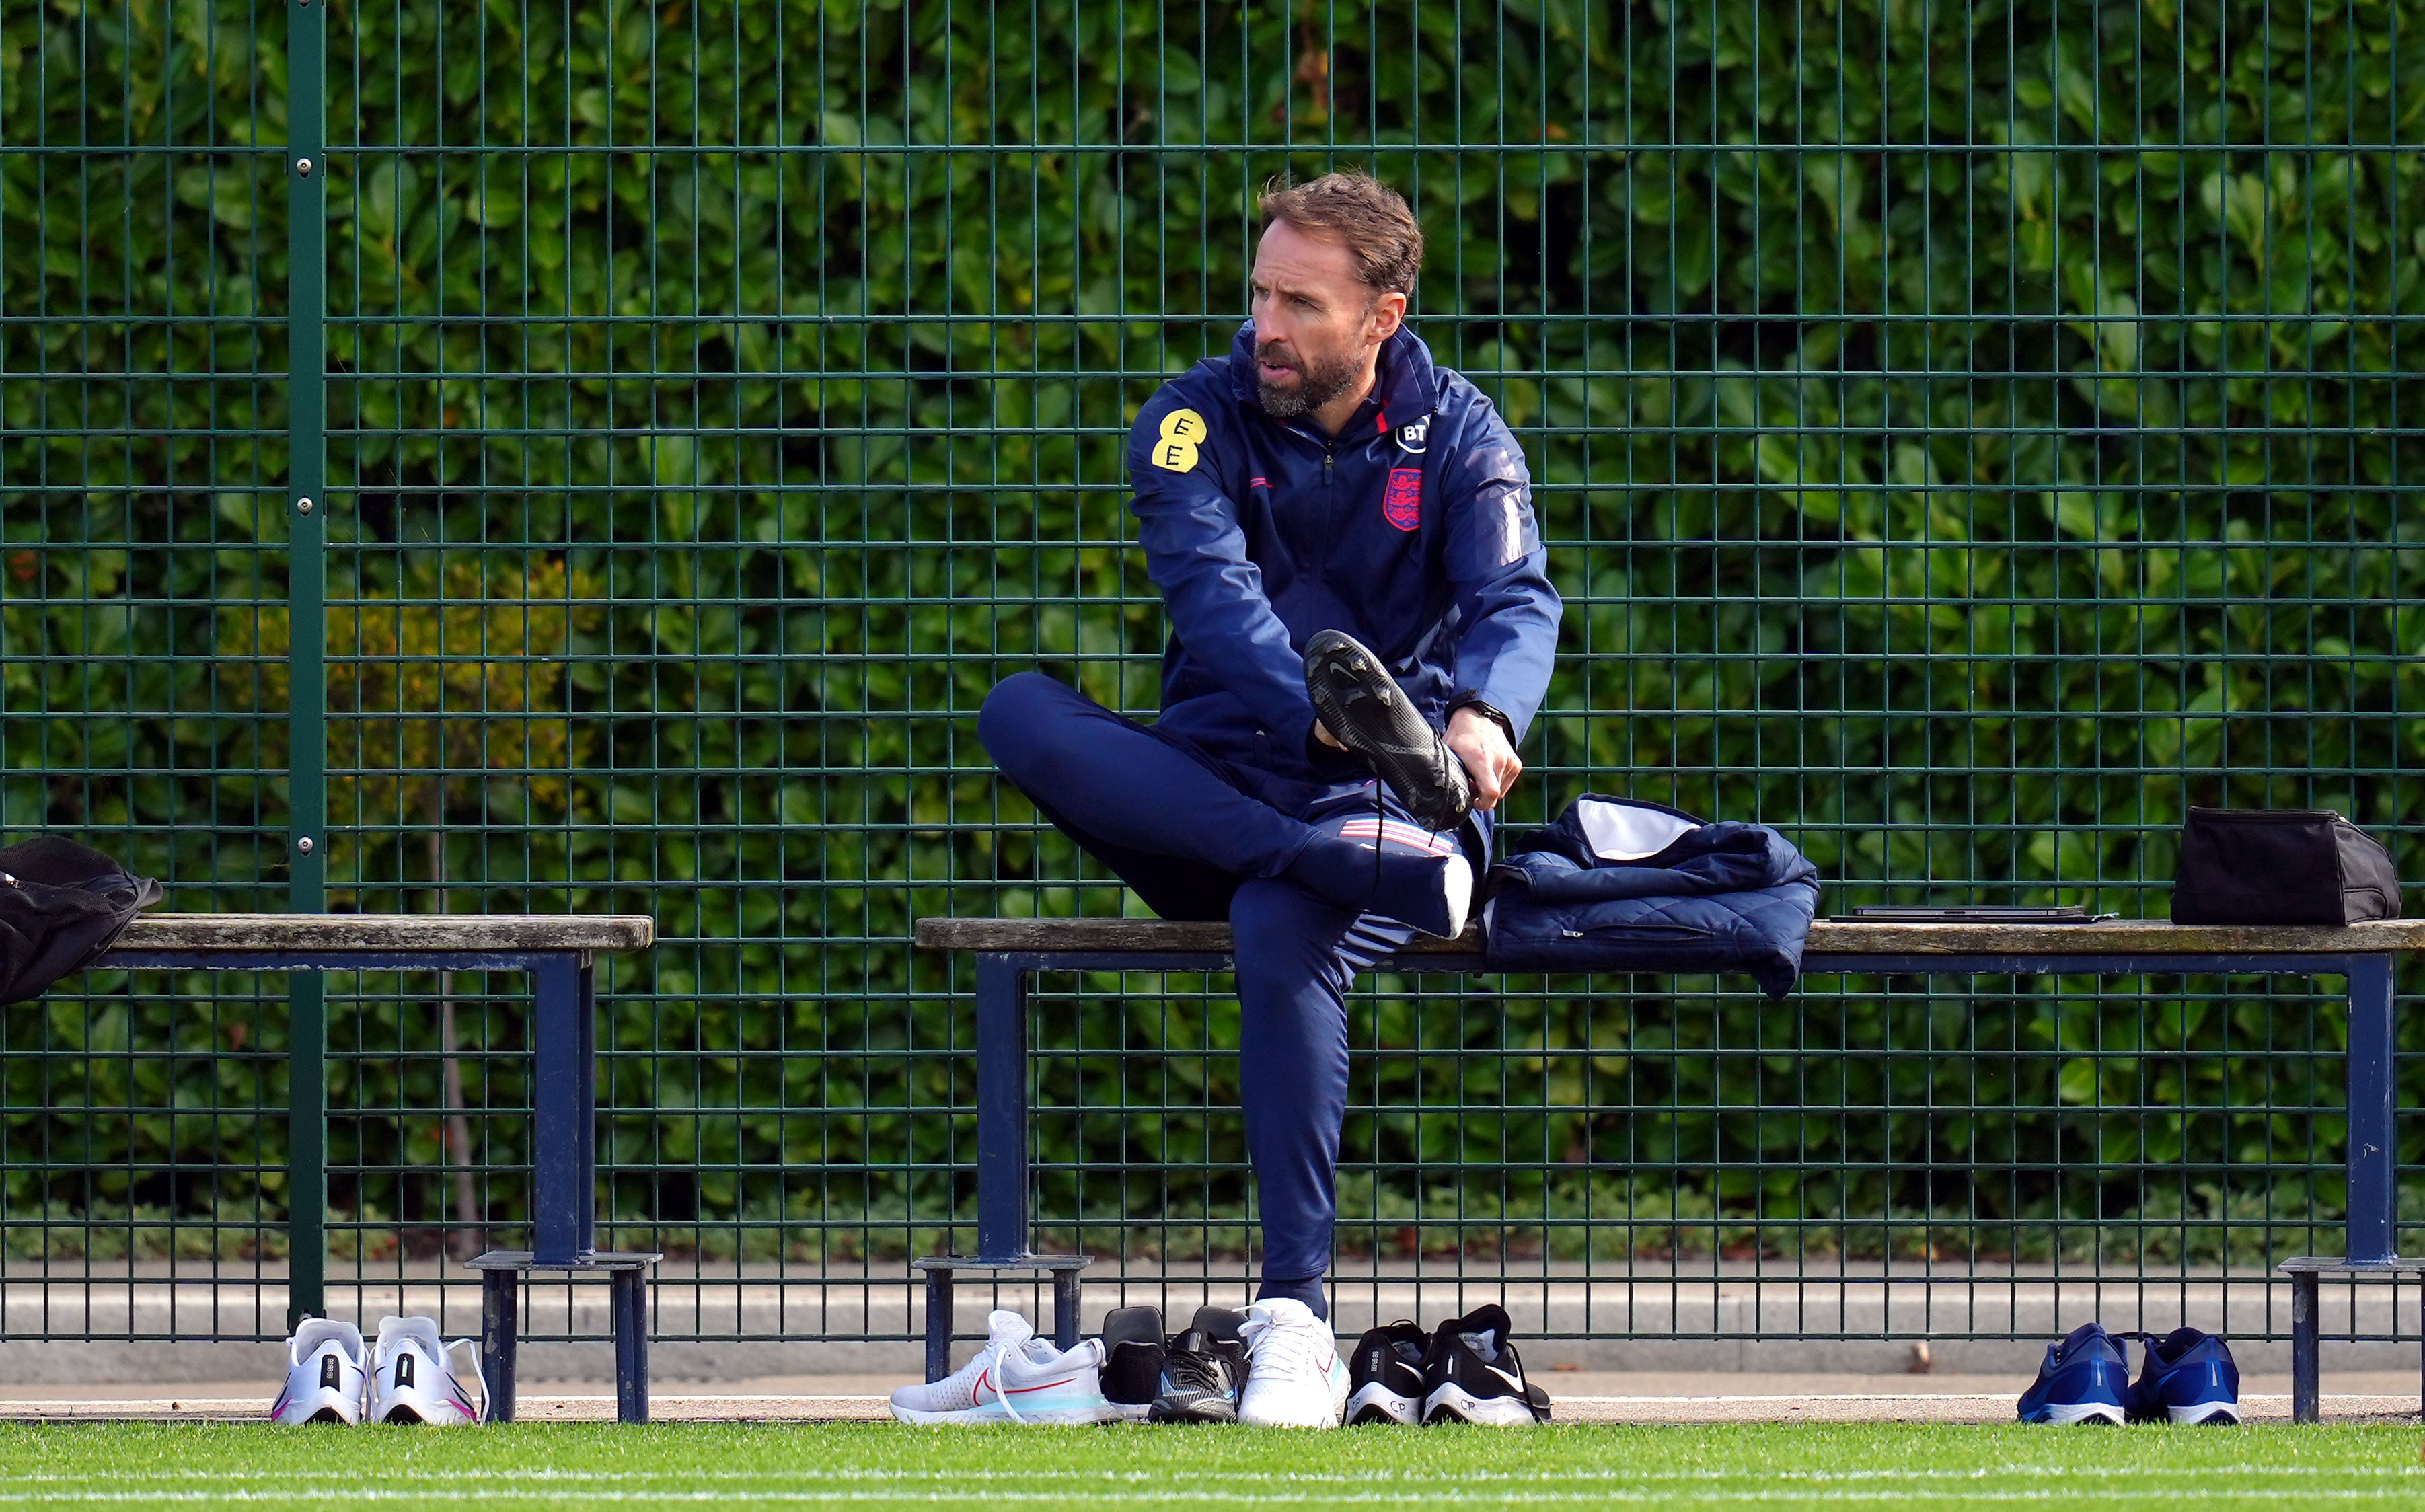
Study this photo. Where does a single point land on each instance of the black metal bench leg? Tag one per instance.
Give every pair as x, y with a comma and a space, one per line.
938, 1323
564, 1110
2305, 1369
1065, 1308
1002, 1109
630, 1302
499, 1296
630, 1308
2373, 1107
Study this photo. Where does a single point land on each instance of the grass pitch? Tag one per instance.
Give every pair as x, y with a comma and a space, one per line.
882, 1465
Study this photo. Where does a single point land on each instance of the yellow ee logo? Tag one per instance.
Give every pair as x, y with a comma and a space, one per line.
1176, 450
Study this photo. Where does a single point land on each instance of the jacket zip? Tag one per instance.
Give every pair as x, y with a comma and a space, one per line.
1329, 506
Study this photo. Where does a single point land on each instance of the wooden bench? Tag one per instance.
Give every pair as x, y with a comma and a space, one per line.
557, 953
1009, 952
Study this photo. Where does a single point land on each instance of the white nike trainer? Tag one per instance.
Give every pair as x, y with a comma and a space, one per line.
1016, 1377
1294, 1378
411, 1379
324, 1375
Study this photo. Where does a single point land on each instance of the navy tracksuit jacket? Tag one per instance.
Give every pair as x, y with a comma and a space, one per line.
1413, 531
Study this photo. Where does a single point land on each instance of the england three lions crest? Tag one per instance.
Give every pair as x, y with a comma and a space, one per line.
1401, 502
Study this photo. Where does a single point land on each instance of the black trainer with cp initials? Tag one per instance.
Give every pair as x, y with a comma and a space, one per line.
1474, 1376
1384, 1377
1366, 711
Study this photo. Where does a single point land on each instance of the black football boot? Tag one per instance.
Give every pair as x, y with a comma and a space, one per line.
1204, 1370
1363, 707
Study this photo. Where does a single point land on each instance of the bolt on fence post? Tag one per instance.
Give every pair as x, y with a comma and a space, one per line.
307, 1184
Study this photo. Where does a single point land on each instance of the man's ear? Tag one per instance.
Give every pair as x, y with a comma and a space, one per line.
1381, 322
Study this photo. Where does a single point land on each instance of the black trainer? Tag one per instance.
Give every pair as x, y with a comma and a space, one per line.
1385, 1376
1204, 1370
1361, 705
1133, 1356
1474, 1376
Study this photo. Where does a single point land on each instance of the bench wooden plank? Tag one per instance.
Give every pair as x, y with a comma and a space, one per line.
2118, 936
386, 932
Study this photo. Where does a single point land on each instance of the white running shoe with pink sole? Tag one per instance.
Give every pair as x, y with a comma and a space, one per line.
1016, 1378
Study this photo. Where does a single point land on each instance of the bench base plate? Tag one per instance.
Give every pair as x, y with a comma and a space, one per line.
2307, 1345
626, 1271
1064, 1270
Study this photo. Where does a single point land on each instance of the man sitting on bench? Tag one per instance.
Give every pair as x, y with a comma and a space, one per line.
1324, 476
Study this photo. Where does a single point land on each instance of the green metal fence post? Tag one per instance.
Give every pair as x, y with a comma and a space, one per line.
307, 175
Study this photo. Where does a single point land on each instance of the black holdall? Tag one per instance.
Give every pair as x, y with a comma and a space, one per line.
61, 905
2281, 866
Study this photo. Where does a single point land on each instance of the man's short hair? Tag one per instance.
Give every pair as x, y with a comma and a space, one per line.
1360, 212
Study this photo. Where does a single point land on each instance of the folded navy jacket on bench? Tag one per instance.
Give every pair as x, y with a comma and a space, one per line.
1622, 885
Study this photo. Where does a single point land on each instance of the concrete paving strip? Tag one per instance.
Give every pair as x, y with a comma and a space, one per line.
1590, 1396
146, 1327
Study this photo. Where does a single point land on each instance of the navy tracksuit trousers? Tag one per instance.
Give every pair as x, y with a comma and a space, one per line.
1193, 838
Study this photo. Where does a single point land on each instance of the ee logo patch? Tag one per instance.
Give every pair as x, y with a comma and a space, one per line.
1176, 450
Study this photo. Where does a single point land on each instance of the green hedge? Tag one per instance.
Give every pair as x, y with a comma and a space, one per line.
1964, 437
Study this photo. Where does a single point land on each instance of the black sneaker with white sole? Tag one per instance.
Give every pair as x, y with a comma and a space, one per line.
1385, 1376
1473, 1375
1204, 1370
1133, 1357
1363, 707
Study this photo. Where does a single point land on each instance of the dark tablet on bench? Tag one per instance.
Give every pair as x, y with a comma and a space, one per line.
1968, 913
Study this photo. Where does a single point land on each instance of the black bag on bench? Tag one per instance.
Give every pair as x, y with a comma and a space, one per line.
61, 905
2281, 866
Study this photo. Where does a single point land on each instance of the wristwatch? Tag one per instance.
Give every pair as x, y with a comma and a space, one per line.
1473, 702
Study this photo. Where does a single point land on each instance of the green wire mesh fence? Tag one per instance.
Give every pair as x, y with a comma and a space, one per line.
1966, 433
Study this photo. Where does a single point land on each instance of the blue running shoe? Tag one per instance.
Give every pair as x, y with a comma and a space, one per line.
2189, 1378
2082, 1380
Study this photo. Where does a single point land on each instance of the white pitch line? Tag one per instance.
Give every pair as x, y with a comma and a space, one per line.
1131, 1496
1158, 1474
1932, 1396
251, 1407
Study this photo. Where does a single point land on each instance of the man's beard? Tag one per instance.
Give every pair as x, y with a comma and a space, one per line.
1317, 384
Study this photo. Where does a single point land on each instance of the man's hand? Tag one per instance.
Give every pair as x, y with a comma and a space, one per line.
1488, 759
